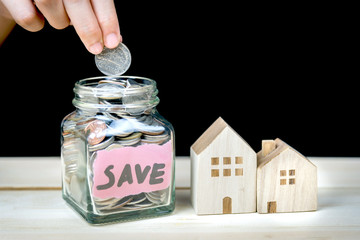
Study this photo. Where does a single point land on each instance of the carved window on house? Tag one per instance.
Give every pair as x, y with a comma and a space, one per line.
238, 160
214, 161
239, 172
226, 160
292, 175
227, 172
284, 178
283, 181
214, 172
227, 167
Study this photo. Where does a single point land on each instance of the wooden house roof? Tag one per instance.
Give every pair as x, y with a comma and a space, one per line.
210, 134
281, 146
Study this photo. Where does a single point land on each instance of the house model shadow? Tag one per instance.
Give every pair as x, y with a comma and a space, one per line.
227, 176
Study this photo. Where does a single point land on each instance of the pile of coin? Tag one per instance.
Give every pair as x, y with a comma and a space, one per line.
108, 130
131, 203
109, 134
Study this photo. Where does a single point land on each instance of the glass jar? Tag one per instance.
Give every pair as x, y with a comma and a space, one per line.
117, 152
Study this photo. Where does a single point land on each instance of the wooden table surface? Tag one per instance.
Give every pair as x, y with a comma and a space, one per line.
31, 207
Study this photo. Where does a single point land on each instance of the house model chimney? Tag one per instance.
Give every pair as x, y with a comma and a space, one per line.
267, 147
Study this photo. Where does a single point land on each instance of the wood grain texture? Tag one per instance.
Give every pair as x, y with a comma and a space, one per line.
286, 178
223, 172
44, 214
267, 147
209, 135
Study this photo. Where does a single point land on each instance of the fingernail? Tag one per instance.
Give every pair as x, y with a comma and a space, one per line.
111, 40
96, 48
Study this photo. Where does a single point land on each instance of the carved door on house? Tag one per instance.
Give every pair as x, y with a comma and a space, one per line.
227, 205
271, 207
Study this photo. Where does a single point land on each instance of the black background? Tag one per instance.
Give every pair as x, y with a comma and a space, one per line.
287, 71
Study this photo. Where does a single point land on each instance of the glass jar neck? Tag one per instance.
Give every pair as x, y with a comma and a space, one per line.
116, 94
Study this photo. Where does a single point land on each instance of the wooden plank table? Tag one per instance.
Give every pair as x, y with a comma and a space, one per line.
31, 207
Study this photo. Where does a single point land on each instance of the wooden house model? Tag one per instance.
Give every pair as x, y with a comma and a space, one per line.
286, 180
223, 172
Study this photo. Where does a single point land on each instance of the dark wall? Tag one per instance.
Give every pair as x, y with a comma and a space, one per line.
270, 71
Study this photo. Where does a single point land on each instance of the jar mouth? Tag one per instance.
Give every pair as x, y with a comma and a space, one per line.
127, 94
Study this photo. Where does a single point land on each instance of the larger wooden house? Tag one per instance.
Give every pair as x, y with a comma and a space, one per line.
223, 172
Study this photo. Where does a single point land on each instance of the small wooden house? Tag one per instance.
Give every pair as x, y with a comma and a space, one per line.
286, 180
223, 172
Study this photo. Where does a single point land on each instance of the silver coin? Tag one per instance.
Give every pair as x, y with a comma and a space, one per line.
130, 142
114, 61
105, 203
137, 199
114, 146
156, 197
108, 91
158, 139
132, 136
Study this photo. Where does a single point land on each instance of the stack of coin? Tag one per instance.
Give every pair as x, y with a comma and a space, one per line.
74, 164
69, 151
128, 203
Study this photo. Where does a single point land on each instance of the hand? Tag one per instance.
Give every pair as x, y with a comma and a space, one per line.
95, 21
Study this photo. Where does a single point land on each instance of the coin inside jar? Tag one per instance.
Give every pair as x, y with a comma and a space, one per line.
96, 131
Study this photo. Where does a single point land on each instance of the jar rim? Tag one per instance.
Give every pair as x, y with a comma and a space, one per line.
87, 84
86, 91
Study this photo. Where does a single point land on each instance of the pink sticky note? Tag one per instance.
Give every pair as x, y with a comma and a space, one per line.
132, 170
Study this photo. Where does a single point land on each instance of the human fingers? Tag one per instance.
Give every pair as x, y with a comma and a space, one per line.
85, 23
107, 18
4, 11
25, 14
54, 12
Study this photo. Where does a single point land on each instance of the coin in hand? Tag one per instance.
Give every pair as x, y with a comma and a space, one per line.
114, 61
